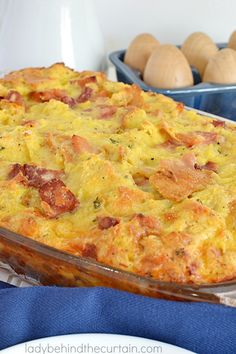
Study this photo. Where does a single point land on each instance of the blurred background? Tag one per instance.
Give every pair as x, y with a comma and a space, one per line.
82, 34
168, 20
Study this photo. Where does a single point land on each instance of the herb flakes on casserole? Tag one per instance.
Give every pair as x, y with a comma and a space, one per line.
104, 170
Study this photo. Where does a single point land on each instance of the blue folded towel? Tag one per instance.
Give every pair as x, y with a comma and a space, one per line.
30, 313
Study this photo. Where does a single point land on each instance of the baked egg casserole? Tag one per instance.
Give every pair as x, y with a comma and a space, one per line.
131, 179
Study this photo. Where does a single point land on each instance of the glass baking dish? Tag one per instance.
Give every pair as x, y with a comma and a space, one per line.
50, 266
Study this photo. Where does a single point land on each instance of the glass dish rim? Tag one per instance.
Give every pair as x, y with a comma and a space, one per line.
77, 260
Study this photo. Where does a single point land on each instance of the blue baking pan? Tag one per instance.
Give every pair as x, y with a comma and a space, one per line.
213, 98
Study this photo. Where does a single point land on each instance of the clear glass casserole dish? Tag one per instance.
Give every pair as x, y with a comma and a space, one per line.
50, 266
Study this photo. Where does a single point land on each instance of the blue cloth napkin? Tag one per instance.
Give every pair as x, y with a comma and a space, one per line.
31, 313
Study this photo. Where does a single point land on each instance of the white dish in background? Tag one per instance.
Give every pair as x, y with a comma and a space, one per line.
86, 343
42, 32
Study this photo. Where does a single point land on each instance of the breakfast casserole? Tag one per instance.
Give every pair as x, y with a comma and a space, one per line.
131, 179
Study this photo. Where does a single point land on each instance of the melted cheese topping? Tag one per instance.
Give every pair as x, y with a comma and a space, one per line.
140, 184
